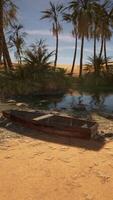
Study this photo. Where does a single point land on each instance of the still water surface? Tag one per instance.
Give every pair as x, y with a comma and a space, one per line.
68, 101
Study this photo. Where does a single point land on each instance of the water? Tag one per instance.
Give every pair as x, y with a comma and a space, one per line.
102, 102
91, 102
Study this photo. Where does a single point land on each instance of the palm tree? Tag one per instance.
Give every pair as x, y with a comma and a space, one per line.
100, 28
53, 14
69, 18
74, 33
108, 26
16, 39
7, 14
94, 29
38, 57
105, 26
82, 13
1, 28
98, 62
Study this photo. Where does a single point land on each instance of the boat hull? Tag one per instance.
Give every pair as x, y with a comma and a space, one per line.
60, 125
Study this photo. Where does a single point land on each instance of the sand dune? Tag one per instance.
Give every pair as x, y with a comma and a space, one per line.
68, 67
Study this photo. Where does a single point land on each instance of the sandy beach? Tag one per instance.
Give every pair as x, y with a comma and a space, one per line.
36, 166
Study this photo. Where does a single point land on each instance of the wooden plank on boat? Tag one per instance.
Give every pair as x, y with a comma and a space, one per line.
43, 117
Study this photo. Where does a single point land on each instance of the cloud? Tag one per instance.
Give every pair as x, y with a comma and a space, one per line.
66, 38
61, 48
88, 50
62, 37
38, 32
109, 49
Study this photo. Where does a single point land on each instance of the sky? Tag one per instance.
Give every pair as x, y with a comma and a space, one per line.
29, 14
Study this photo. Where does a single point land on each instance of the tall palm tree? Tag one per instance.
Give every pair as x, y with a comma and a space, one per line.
69, 18
16, 40
94, 31
106, 25
1, 28
74, 33
100, 29
82, 12
7, 14
53, 14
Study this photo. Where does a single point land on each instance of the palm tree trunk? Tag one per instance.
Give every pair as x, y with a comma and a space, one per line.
19, 56
6, 53
101, 48
95, 51
20, 60
1, 29
5, 62
81, 56
74, 58
105, 55
56, 53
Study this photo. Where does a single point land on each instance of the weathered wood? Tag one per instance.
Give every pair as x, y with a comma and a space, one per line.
43, 117
54, 124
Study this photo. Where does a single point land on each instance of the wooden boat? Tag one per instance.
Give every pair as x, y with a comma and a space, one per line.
107, 115
53, 123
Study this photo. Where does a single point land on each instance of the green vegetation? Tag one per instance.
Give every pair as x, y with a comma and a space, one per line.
92, 83
27, 80
38, 56
36, 75
36, 72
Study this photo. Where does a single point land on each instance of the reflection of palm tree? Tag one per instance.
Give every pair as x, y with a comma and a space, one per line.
53, 14
80, 100
97, 100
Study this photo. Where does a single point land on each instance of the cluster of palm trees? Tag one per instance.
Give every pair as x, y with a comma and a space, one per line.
17, 41
7, 16
91, 19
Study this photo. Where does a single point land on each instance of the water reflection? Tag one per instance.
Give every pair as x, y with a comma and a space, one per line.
70, 101
89, 102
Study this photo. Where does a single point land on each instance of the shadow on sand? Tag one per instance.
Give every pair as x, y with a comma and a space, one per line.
91, 144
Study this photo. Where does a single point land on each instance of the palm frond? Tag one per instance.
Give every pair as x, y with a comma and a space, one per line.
38, 56
53, 13
10, 12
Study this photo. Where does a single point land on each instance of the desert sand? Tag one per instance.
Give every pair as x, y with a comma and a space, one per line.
36, 166
68, 67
